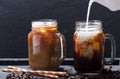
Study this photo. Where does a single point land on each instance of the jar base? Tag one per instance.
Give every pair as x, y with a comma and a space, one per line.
89, 74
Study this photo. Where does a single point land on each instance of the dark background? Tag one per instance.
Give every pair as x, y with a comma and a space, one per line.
16, 17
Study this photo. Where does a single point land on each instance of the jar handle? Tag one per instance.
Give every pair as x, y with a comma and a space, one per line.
62, 45
113, 48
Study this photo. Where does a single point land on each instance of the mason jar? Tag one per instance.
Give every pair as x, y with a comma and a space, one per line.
46, 45
89, 44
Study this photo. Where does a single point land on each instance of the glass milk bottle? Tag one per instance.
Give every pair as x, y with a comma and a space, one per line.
46, 45
89, 47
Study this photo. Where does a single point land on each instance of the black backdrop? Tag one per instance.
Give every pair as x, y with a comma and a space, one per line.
16, 17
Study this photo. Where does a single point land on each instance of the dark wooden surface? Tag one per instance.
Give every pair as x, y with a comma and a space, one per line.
67, 68
67, 65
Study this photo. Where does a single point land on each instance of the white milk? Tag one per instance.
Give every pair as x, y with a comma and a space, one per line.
113, 5
88, 12
85, 36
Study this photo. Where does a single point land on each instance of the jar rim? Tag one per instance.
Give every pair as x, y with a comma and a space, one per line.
92, 25
90, 22
44, 22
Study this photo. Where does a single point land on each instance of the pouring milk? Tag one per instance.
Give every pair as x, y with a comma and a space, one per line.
113, 5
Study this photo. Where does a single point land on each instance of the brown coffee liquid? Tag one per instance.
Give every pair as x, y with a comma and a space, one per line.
88, 54
44, 48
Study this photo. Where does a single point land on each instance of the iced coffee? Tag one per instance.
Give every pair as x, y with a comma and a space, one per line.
88, 47
46, 45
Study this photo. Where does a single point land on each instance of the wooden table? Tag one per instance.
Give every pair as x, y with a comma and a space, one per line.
68, 68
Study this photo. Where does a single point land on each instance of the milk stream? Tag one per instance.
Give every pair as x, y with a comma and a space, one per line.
88, 12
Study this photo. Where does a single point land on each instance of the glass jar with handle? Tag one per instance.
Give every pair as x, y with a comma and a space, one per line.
46, 45
89, 43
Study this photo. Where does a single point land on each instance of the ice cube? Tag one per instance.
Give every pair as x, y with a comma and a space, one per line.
87, 52
90, 51
96, 46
